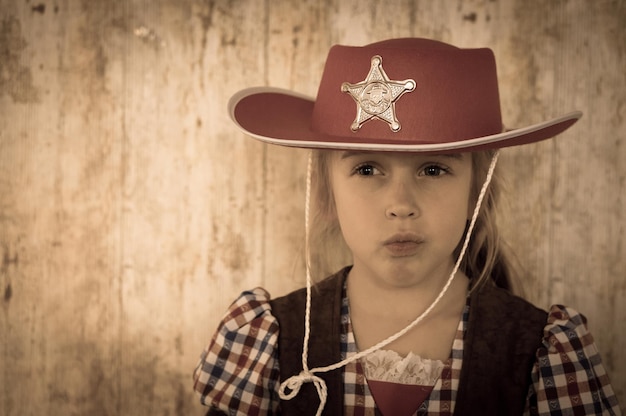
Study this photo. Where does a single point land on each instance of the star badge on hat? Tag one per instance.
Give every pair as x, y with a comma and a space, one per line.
376, 96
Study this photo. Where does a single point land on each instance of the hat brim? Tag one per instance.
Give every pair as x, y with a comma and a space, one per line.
283, 117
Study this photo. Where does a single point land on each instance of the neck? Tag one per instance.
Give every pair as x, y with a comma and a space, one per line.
398, 299
380, 311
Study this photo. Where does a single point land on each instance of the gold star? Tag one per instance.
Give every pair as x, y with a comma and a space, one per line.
376, 96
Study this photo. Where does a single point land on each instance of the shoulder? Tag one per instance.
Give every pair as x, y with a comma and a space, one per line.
502, 298
493, 308
567, 321
568, 361
320, 292
566, 338
239, 368
249, 307
566, 333
503, 332
290, 309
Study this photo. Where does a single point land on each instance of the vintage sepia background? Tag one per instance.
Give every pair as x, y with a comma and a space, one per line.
132, 212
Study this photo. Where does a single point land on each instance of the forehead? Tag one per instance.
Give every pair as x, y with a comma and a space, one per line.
340, 155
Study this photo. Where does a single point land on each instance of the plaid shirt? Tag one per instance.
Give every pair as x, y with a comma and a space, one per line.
238, 372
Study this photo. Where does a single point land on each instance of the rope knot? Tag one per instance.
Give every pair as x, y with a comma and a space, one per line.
294, 383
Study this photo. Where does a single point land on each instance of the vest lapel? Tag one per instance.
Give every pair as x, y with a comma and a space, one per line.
503, 335
324, 344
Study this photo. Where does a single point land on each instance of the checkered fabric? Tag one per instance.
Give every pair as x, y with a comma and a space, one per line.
238, 372
568, 377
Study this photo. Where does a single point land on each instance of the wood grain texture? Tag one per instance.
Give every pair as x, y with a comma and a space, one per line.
132, 212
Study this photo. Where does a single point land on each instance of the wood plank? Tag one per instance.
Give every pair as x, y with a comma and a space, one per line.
132, 212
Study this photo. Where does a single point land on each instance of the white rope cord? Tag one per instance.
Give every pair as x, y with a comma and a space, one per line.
294, 383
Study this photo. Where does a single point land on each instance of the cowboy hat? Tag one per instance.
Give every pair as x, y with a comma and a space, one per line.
409, 94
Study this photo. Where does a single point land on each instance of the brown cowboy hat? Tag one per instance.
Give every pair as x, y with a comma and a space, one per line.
416, 95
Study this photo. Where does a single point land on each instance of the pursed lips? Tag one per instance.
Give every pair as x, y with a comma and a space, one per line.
403, 244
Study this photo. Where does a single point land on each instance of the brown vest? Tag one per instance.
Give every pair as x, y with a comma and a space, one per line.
503, 335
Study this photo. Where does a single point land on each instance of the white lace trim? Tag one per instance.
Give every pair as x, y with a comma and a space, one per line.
387, 365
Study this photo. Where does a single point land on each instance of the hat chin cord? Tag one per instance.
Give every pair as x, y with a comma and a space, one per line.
291, 387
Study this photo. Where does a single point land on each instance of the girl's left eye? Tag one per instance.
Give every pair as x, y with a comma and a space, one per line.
434, 170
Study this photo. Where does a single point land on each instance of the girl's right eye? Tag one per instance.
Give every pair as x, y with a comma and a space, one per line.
366, 169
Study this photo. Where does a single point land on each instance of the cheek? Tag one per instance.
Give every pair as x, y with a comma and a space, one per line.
347, 210
351, 213
471, 203
459, 211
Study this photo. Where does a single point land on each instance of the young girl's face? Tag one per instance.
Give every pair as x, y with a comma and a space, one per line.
402, 214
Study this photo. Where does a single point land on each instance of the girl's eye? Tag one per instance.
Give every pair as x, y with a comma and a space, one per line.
366, 170
434, 170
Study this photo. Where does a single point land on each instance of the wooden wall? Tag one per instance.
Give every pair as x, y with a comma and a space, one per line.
132, 212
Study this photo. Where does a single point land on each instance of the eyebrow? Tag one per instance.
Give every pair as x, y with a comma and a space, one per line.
458, 156
352, 153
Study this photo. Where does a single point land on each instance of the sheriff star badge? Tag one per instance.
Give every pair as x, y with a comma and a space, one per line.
376, 96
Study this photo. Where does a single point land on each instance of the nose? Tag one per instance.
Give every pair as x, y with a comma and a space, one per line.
402, 201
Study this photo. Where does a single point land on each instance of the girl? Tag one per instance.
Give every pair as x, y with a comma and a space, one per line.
423, 320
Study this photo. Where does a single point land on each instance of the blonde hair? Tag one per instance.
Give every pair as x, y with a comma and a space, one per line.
328, 249
487, 255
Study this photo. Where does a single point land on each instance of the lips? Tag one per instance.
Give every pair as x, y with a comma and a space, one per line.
403, 244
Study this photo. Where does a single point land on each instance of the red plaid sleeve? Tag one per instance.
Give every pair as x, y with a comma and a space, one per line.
238, 371
568, 377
